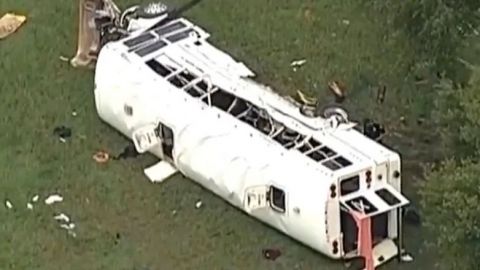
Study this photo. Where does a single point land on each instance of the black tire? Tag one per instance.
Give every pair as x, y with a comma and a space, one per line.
329, 110
147, 11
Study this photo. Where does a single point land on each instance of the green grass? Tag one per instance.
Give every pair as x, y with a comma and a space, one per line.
40, 92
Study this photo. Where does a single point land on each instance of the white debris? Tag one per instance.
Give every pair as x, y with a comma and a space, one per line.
63, 59
53, 199
35, 198
298, 63
8, 204
30, 206
346, 22
63, 217
69, 226
72, 233
407, 258
198, 204
174, 212
62, 140
74, 113
160, 171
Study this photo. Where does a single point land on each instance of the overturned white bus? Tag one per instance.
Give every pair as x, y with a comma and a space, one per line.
163, 85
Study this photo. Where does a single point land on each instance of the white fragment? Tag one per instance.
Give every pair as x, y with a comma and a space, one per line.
407, 258
74, 113
174, 212
346, 22
72, 233
198, 204
53, 199
30, 206
63, 140
160, 171
8, 204
63, 217
35, 198
70, 226
63, 58
298, 63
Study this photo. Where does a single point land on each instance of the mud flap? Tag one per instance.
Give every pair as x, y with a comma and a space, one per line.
160, 171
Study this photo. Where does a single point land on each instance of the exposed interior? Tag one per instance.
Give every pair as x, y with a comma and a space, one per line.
379, 220
166, 135
250, 114
350, 230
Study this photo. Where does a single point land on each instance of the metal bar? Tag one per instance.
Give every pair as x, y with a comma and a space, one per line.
315, 149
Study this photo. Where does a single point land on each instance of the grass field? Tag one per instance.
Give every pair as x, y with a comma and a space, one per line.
123, 221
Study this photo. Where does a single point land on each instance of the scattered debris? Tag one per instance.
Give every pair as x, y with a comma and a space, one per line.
101, 157
69, 226
62, 132
64, 59
62, 217
346, 22
271, 254
406, 257
8, 204
308, 111
74, 113
35, 198
338, 89
198, 204
306, 100
65, 223
373, 130
53, 199
297, 63
29, 206
381, 91
10, 23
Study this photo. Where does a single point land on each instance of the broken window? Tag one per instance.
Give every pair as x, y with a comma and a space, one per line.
182, 78
332, 165
170, 28
138, 40
349, 185
248, 113
158, 68
220, 99
155, 46
387, 196
343, 161
180, 36
361, 204
277, 199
